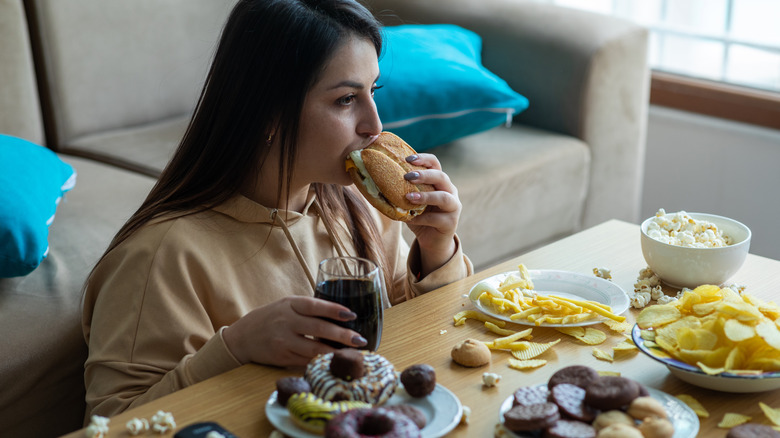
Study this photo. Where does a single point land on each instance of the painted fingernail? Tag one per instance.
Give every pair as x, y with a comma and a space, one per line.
414, 196
411, 176
411, 158
346, 315
359, 341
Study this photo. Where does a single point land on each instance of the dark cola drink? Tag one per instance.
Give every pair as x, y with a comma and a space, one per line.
364, 298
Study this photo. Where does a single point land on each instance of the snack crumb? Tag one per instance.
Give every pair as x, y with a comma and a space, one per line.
443, 331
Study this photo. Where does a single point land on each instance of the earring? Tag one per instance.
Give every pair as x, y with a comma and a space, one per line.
269, 139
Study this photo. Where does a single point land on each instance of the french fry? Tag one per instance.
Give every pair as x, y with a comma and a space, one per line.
599, 308
498, 330
473, 314
511, 338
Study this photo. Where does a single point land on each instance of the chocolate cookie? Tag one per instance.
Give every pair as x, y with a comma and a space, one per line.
410, 411
530, 395
419, 380
752, 430
287, 386
579, 375
532, 417
571, 402
570, 429
347, 364
611, 392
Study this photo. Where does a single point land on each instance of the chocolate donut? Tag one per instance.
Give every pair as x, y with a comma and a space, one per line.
376, 386
287, 386
419, 380
410, 411
375, 422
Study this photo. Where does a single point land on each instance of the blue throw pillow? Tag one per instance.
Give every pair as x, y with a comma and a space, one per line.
435, 87
32, 182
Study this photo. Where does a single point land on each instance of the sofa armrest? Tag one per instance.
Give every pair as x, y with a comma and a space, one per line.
586, 75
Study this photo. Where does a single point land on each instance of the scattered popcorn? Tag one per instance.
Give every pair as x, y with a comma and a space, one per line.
490, 379
137, 426
656, 293
666, 299
466, 415
441, 332
640, 299
163, 422
98, 427
602, 273
682, 230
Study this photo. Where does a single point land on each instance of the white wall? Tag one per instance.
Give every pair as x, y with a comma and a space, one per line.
710, 165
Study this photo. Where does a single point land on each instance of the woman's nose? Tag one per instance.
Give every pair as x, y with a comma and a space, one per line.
370, 124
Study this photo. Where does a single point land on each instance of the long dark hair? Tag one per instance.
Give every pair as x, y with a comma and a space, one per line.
270, 54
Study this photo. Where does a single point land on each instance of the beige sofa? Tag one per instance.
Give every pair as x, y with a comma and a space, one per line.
110, 86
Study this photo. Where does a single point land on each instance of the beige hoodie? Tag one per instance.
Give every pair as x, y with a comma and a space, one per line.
155, 306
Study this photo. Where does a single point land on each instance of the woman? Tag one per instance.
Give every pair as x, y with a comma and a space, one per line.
215, 268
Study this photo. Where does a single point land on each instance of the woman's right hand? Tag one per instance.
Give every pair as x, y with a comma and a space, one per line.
284, 332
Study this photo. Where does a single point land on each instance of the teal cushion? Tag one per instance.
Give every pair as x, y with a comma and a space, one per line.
435, 88
32, 182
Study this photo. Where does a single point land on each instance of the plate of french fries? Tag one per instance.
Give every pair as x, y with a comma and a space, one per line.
549, 298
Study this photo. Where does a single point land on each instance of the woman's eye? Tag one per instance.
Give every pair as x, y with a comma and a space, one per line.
374, 88
346, 100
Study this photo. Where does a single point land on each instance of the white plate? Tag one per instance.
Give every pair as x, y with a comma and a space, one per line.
565, 284
442, 411
684, 420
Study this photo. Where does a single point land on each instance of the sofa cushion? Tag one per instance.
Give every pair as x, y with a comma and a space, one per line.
520, 188
32, 182
436, 89
42, 371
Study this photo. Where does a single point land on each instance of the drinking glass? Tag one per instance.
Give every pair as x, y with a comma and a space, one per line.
355, 283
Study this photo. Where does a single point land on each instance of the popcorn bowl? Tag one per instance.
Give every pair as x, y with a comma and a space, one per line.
681, 266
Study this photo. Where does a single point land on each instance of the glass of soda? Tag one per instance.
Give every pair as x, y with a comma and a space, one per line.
357, 284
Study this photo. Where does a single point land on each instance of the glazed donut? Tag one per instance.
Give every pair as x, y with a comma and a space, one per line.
374, 422
312, 413
376, 385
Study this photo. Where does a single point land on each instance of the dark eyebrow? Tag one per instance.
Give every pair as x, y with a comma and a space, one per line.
351, 84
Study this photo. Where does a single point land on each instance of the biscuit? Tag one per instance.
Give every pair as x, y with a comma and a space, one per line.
532, 417
656, 427
752, 430
471, 353
609, 418
643, 407
611, 392
571, 402
530, 395
620, 430
579, 375
570, 429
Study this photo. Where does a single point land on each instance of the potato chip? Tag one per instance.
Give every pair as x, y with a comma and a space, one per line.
647, 335
624, 347
738, 331
526, 364
768, 331
694, 404
592, 336
710, 371
739, 310
572, 331
608, 373
731, 419
534, 349
620, 327
601, 355
771, 413
658, 315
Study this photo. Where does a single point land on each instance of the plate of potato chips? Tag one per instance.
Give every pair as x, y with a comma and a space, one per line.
549, 298
714, 337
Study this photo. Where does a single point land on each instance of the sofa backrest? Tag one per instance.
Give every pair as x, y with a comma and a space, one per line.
20, 113
113, 65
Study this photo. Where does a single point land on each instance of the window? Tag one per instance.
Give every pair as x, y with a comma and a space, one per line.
717, 57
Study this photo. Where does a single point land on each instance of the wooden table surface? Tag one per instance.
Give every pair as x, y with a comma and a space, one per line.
422, 331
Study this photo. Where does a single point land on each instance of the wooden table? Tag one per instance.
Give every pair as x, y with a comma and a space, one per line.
422, 331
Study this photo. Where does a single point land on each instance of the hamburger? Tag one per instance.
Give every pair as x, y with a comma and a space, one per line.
378, 172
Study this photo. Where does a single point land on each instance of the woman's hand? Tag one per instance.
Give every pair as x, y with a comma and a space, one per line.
281, 333
435, 228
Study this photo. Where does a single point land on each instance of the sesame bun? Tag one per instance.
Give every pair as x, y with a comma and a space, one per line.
378, 173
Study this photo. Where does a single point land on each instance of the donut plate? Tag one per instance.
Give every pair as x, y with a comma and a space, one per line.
565, 284
442, 409
685, 421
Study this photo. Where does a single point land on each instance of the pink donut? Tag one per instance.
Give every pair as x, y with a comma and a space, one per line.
371, 422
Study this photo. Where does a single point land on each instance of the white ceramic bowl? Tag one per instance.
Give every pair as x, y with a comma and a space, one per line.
680, 266
726, 382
